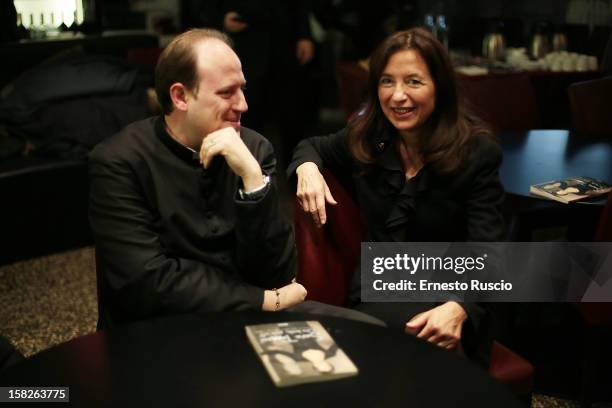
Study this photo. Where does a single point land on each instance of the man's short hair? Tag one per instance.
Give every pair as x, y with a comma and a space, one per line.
178, 63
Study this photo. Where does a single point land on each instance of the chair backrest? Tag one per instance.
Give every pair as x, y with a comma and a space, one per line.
505, 102
604, 228
590, 105
606, 60
328, 256
352, 80
595, 314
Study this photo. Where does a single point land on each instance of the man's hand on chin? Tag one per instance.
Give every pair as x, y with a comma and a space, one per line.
227, 143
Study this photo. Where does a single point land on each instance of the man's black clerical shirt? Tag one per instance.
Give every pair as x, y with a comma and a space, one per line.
172, 237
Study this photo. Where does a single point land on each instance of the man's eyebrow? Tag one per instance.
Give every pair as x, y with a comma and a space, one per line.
226, 88
231, 87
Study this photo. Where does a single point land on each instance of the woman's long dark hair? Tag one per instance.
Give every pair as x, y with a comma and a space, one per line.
446, 146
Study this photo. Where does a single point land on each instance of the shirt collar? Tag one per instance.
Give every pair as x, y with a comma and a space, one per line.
179, 150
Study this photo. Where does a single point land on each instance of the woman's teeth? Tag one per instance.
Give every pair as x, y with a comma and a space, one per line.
402, 110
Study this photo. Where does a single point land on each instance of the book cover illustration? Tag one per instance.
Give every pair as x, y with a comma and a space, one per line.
571, 189
299, 352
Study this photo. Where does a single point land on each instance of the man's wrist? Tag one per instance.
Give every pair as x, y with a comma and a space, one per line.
258, 192
252, 180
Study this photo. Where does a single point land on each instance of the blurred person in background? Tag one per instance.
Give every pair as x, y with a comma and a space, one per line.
274, 43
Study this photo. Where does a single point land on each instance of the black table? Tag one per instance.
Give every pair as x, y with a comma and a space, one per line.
206, 361
538, 156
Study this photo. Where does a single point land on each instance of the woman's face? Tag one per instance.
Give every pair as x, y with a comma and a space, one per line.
406, 91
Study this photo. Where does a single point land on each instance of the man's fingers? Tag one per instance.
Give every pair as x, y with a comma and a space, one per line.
210, 147
209, 152
204, 158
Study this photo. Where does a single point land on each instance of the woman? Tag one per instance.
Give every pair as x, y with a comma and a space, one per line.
421, 168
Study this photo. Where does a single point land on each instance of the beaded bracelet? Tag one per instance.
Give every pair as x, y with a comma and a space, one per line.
277, 305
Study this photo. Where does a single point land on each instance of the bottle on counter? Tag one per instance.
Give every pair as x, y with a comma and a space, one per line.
74, 27
35, 30
22, 32
430, 23
53, 29
442, 30
62, 27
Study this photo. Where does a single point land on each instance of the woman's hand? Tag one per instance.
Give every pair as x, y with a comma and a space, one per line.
312, 192
289, 295
441, 325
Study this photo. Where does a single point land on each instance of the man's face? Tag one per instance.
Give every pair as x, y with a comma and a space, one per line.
219, 100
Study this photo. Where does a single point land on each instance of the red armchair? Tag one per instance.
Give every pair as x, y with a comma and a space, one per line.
327, 259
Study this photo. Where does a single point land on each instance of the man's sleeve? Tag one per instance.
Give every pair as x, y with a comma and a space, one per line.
143, 278
266, 246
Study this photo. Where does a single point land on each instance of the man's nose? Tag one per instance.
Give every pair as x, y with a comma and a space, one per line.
241, 104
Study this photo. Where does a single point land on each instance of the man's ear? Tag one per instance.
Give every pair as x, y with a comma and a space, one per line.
179, 95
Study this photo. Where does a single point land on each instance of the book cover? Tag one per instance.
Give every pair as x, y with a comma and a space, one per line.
571, 189
299, 352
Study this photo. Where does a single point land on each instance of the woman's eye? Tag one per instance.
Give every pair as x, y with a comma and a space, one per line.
385, 81
414, 82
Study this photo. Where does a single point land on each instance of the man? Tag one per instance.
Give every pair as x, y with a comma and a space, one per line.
183, 207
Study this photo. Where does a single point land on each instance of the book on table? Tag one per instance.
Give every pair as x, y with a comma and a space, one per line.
571, 189
299, 352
